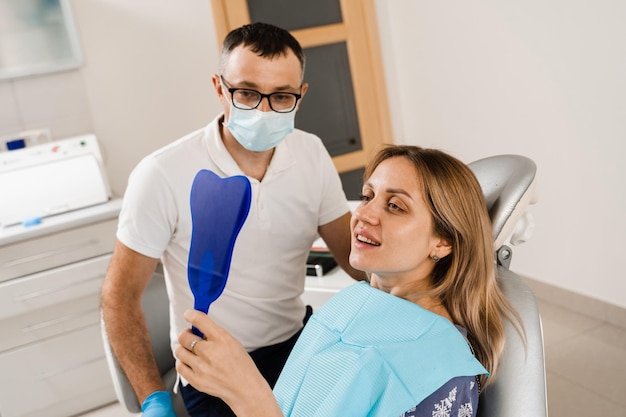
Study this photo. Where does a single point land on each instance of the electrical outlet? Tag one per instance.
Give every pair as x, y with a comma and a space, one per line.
37, 136
24, 139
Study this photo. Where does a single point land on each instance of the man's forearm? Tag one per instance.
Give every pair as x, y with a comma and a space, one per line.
130, 341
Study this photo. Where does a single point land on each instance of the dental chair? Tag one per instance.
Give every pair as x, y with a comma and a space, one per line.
508, 183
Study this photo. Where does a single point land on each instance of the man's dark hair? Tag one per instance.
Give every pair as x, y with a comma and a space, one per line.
265, 40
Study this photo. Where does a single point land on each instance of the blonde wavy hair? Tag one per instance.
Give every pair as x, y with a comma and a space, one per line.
465, 280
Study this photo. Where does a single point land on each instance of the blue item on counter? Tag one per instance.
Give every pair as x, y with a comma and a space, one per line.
32, 221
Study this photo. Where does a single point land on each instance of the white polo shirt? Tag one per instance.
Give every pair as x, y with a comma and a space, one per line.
301, 190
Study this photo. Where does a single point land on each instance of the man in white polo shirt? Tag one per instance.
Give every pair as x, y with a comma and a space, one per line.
296, 194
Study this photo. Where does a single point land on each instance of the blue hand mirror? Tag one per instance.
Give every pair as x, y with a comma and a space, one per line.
219, 208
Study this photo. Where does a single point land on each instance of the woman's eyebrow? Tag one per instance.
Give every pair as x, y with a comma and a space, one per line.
398, 191
368, 185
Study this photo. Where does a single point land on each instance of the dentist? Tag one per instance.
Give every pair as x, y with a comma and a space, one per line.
296, 194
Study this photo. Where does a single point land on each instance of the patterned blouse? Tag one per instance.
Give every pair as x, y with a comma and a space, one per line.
456, 398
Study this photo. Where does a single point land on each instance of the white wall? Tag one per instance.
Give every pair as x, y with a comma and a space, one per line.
146, 81
56, 101
546, 79
147, 74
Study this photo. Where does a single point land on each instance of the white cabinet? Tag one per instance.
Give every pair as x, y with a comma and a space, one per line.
57, 376
52, 359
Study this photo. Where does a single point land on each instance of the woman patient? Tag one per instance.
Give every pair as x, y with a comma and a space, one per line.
422, 338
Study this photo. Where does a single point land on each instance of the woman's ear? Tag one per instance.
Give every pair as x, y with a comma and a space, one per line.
443, 248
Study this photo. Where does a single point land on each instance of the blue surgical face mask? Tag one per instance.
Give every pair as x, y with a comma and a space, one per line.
259, 131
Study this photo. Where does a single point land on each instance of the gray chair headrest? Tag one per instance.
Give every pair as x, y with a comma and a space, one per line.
508, 183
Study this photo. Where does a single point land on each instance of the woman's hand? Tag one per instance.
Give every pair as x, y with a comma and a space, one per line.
219, 365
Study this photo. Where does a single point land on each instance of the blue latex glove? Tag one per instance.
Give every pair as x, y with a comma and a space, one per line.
158, 404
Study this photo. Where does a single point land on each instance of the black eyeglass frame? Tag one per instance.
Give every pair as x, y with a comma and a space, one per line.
262, 96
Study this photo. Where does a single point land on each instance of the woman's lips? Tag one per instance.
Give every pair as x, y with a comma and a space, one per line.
365, 239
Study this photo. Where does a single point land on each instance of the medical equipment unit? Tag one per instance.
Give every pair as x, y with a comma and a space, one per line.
508, 184
57, 230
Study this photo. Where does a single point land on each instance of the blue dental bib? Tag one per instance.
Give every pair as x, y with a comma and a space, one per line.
369, 353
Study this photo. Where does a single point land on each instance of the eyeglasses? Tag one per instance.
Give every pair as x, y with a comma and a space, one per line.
245, 99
